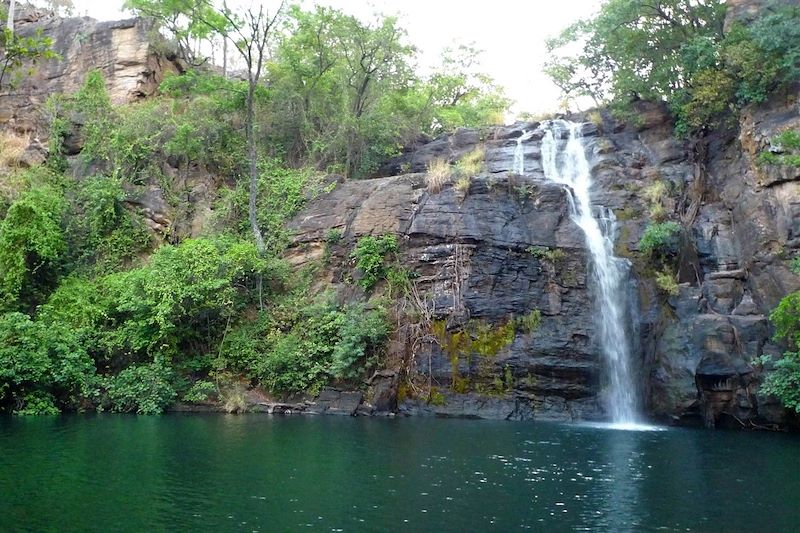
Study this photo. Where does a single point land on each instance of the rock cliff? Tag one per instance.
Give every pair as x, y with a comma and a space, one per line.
506, 247
124, 51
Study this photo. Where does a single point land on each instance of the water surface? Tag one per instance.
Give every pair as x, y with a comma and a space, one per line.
261, 473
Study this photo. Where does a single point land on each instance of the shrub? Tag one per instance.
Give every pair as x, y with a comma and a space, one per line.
463, 183
471, 164
361, 331
31, 241
144, 389
661, 239
783, 151
41, 364
530, 322
666, 282
37, 403
784, 380
370, 254
199, 392
439, 174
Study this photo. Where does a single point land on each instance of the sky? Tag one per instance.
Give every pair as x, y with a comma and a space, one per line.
512, 34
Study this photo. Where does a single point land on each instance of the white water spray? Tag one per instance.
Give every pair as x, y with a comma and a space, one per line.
564, 161
519, 152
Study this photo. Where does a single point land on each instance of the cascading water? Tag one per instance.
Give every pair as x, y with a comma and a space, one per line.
519, 152
564, 161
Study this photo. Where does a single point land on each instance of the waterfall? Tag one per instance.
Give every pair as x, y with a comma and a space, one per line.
519, 152
564, 161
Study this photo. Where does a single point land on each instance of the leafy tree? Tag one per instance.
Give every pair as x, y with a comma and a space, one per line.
461, 96
332, 78
183, 20
17, 50
676, 51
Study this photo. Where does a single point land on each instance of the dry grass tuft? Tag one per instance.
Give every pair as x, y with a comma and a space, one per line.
234, 398
439, 174
471, 164
12, 146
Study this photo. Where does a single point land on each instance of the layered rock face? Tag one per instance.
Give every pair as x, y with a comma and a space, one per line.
506, 247
122, 50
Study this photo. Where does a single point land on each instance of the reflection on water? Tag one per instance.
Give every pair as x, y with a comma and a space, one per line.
258, 473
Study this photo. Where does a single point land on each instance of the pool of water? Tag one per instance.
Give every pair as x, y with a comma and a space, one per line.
262, 473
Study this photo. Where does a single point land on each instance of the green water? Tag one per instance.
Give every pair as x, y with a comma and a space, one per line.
261, 473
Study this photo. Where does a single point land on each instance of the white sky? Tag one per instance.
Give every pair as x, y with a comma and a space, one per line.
511, 32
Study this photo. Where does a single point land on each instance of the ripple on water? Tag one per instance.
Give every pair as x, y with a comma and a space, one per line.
621, 426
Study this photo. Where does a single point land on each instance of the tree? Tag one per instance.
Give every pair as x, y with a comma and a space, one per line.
334, 78
16, 50
249, 33
676, 51
461, 95
635, 49
10, 21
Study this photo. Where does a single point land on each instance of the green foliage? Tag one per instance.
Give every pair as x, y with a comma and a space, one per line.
282, 192
370, 255
795, 265
676, 51
324, 342
31, 242
545, 253
19, 50
145, 389
361, 331
39, 363
37, 403
530, 322
661, 240
346, 97
783, 381
101, 232
666, 282
784, 150
189, 22
199, 392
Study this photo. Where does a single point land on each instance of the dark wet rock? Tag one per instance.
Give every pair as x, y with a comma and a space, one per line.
335, 402
473, 254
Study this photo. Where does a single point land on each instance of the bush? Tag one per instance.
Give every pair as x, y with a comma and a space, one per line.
530, 322
41, 364
199, 392
321, 342
145, 389
370, 254
471, 164
31, 242
784, 380
665, 281
360, 332
661, 240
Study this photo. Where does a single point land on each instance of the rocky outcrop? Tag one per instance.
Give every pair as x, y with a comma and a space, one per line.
505, 247
123, 50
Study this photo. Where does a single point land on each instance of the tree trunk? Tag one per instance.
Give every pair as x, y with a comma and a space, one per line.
252, 157
10, 23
